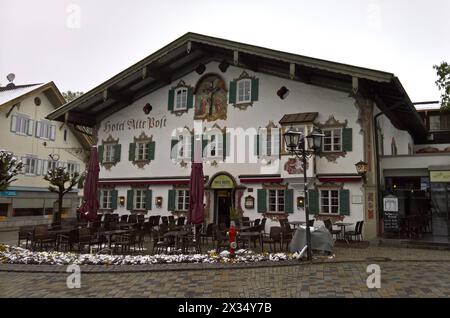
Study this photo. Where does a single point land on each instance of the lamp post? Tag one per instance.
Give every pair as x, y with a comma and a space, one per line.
296, 144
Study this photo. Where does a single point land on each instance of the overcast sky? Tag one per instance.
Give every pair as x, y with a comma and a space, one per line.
80, 44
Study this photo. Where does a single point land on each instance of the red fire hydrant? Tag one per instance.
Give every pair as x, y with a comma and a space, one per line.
232, 233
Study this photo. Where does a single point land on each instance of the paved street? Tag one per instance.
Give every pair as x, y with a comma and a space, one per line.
398, 279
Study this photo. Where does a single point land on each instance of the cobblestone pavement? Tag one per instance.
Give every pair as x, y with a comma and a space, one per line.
398, 279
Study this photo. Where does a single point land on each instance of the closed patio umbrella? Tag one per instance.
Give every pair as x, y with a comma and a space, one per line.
196, 187
88, 209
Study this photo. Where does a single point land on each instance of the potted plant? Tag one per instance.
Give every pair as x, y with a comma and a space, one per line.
234, 216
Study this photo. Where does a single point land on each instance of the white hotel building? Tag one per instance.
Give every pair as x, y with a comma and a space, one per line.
145, 119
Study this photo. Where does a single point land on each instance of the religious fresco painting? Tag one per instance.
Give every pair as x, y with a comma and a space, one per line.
211, 98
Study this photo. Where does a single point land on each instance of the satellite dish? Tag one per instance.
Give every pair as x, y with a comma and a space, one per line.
11, 77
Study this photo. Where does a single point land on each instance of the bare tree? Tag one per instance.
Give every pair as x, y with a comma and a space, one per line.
10, 167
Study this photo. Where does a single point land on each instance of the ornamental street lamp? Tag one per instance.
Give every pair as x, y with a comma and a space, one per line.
304, 148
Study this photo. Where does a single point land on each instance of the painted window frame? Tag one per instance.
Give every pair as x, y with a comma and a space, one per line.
143, 199
141, 146
216, 145
332, 131
329, 199
184, 146
108, 197
180, 104
239, 84
111, 158
185, 197
279, 195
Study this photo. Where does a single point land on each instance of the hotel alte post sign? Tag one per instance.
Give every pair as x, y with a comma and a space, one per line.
222, 182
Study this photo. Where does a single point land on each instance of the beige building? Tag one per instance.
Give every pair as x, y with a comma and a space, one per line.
41, 144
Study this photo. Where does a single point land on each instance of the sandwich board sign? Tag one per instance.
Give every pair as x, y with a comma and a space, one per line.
391, 215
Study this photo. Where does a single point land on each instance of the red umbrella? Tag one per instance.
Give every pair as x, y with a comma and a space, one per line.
88, 209
196, 187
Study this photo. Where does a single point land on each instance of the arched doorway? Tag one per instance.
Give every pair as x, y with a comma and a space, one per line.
222, 184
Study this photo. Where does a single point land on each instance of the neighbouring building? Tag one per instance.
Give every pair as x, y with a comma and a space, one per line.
41, 144
239, 99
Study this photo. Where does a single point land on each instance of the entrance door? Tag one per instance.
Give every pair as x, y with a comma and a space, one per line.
223, 204
440, 196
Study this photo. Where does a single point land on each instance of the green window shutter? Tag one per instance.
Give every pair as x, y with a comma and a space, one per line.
100, 153
255, 89
190, 98
151, 150
256, 147
313, 201
114, 194
226, 146
204, 144
117, 151
148, 200
171, 99
347, 139
289, 201
132, 152
171, 201
344, 202
232, 98
173, 149
262, 201
130, 196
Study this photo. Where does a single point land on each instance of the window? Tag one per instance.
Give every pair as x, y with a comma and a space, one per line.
244, 91
276, 200
271, 142
141, 151
332, 142
182, 200
52, 165
181, 95
105, 199
215, 146
109, 153
440, 122
21, 125
329, 201
139, 199
31, 165
71, 167
184, 146
45, 130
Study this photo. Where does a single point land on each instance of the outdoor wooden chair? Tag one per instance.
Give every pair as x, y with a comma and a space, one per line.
181, 221
125, 241
191, 242
42, 238
273, 238
160, 245
209, 233
356, 233
132, 218
222, 240
124, 218
329, 227
25, 233
245, 221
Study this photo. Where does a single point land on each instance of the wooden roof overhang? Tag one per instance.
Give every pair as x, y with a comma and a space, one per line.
183, 55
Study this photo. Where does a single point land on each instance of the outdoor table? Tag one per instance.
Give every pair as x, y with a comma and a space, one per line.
176, 235
243, 228
321, 240
249, 236
342, 225
110, 233
296, 224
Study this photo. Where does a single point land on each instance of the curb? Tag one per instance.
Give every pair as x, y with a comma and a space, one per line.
124, 269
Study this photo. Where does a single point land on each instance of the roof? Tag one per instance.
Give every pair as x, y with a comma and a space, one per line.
9, 93
183, 55
13, 94
299, 118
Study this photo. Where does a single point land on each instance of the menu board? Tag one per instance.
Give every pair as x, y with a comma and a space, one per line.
391, 221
